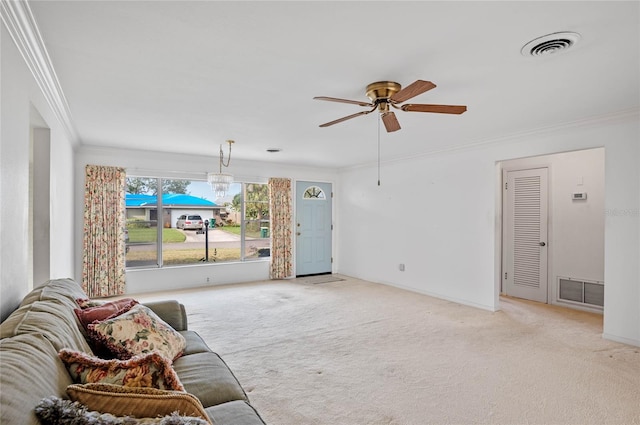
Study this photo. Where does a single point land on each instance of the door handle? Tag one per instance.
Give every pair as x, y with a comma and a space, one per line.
542, 244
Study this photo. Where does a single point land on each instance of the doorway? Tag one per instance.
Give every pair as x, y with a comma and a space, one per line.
555, 252
39, 200
313, 228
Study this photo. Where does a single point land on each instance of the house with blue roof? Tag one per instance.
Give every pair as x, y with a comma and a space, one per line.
144, 208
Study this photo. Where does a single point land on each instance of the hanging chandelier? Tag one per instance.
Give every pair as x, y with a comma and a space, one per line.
220, 181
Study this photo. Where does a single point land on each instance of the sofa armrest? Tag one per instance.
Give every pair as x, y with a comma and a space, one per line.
171, 312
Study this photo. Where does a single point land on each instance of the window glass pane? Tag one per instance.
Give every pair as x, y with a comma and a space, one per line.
199, 221
257, 232
314, 192
225, 238
142, 220
183, 222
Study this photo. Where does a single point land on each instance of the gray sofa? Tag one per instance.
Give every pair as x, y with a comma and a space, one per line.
45, 323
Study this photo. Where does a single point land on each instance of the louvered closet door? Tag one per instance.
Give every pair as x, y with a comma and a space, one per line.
525, 234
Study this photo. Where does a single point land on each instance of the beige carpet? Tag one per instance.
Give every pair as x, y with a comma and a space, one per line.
357, 353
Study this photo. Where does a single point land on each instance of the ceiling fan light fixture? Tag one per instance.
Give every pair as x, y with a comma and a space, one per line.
550, 44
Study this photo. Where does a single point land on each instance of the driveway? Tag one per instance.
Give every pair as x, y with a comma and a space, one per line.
215, 235
217, 239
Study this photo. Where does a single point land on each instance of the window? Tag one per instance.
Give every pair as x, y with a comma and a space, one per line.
177, 222
314, 192
256, 218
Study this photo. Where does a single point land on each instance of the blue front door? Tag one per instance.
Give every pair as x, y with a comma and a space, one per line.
313, 228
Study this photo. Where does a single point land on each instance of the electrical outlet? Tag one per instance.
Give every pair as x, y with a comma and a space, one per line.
401, 267
207, 279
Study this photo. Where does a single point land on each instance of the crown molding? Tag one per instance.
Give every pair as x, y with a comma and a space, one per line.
626, 115
21, 25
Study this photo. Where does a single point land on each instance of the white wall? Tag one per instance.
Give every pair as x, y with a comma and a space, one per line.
446, 236
19, 94
431, 214
185, 166
621, 249
575, 243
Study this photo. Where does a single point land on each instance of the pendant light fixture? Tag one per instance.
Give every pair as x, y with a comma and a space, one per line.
220, 181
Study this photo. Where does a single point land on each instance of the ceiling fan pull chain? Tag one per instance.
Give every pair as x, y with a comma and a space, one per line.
379, 118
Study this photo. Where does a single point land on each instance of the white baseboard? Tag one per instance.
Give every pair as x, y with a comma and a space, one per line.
621, 339
442, 297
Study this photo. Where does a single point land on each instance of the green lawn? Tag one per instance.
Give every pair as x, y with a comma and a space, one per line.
137, 235
250, 231
231, 229
189, 256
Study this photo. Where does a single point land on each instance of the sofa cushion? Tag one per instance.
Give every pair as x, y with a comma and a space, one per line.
29, 371
138, 331
172, 312
195, 343
149, 370
65, 291
51, 318
208, 377
11, 325
136, 402
234, 413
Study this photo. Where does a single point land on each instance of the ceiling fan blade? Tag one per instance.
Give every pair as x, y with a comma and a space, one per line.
412, 90
348, 117
390, 121
439, 109
335, 99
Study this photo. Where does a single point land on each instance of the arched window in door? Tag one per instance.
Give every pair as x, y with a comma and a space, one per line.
314, 192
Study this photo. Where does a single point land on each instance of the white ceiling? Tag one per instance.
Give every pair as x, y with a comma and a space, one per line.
183, 76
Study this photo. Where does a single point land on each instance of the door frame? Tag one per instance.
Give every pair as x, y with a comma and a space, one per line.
294, 217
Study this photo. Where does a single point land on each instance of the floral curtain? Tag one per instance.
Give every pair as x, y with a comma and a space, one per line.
104, 224
280, 210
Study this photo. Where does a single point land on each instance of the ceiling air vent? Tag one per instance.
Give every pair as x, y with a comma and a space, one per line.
551, 43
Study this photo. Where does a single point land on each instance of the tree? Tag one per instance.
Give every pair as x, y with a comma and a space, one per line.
256, 203
149, 186
175, 186
139, 185
236, 202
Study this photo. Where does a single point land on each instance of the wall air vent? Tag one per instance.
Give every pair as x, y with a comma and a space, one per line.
551, 43
586, 293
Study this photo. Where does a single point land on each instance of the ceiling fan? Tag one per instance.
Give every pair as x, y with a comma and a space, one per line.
388, 93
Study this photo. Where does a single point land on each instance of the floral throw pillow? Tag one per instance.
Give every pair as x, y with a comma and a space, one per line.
148, 371
137, 331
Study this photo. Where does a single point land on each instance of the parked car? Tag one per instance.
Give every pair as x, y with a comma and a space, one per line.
193, 222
